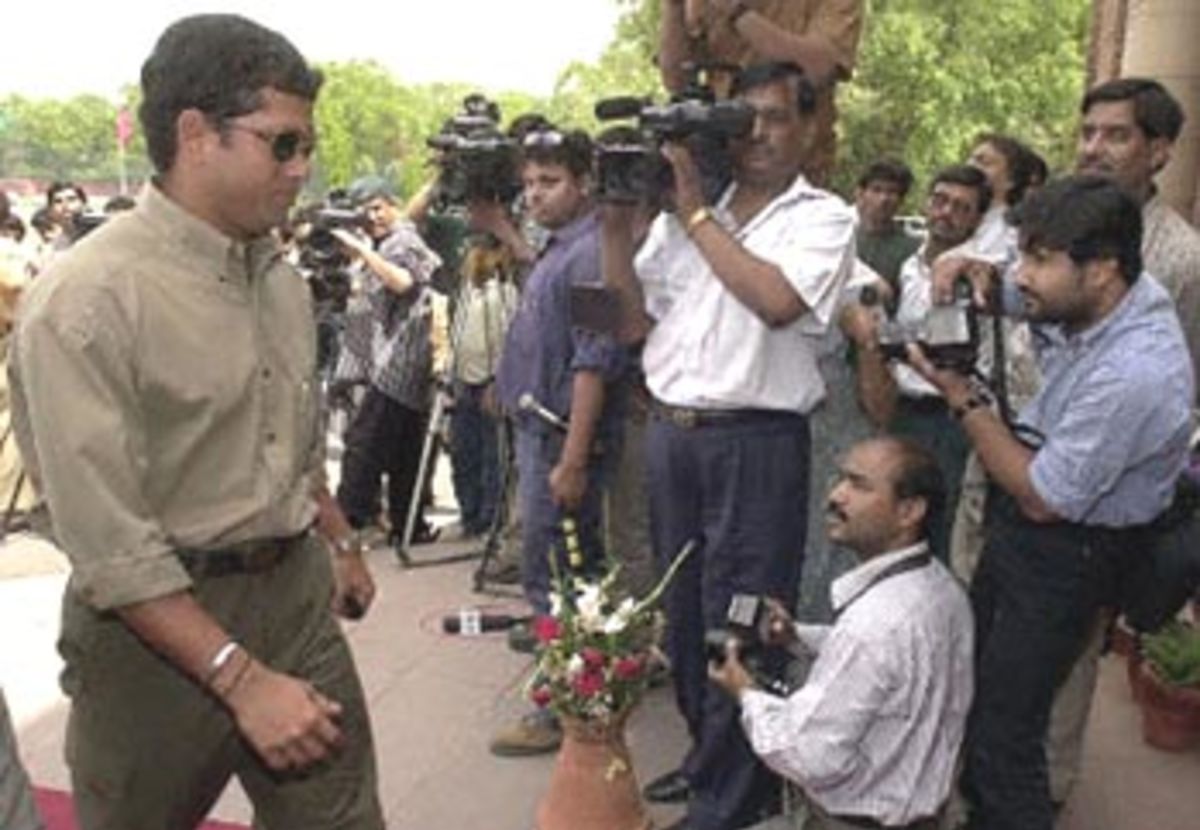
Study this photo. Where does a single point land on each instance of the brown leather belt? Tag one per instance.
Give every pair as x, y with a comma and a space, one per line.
874, 824
255, 556
686, 417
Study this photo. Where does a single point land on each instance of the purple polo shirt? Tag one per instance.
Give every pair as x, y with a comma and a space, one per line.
542, 350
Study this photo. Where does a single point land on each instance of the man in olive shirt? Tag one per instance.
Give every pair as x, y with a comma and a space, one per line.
164, 396
880, 241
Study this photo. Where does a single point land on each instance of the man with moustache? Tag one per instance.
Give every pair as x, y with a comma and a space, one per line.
819, 36
872, 736
1093, 457
165, 399
732, 300
1129, 129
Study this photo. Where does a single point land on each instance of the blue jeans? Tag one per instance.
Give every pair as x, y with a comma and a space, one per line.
542, 533
475, 458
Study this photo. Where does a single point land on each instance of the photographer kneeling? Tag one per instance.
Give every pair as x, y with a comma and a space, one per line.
1109, 431
873, 735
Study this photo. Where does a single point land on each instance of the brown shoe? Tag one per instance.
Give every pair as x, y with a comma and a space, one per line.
534, 734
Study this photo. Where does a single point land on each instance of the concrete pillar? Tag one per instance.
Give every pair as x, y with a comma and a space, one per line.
1161, 38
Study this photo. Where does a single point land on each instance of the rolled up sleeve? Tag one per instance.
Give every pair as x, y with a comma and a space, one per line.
815, 251
1100, 436
74, 386
814, 737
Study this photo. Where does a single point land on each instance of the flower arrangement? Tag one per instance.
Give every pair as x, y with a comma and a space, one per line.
594, 647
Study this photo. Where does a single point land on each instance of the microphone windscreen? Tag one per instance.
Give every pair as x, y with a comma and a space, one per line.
624, 106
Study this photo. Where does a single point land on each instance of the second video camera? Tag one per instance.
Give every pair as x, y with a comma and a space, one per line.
477, 161
633, 169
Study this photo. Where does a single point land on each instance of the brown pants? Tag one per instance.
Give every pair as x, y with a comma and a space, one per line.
149, 749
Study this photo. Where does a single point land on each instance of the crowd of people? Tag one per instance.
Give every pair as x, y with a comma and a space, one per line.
1003, 402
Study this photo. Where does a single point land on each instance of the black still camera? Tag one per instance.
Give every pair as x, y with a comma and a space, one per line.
477, 161
630, 170
948, 333
745, 622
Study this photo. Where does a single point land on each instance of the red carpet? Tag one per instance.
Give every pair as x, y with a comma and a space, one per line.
59, 814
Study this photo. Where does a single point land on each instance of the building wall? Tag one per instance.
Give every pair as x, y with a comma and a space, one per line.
1158, 39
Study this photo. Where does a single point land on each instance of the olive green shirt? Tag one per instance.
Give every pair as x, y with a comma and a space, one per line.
164, 396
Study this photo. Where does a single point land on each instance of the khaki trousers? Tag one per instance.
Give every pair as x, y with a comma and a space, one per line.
150, 750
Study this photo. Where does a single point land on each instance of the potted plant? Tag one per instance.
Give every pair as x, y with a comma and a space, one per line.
593, 655
1170, 691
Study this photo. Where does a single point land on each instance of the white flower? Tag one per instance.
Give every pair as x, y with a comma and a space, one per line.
575, 666
556, 604
620, 618
590, 604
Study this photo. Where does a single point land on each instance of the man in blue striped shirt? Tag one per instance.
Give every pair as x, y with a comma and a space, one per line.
1094, 455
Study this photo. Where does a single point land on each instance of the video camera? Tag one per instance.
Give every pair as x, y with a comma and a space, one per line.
323, 260
478, 162
628, 171
947, 333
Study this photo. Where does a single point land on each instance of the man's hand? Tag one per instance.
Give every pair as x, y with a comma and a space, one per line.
955, 387
731, 675
860, 323
779, 629
288, 722
354, 588
689, 196
948, 270
353, 244
568, 484
488, 216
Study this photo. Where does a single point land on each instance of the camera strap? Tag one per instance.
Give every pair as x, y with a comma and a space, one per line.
908, 563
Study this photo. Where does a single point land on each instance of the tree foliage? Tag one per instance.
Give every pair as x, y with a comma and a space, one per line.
932, 74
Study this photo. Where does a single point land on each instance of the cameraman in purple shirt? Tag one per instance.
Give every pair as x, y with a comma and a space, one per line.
550, 362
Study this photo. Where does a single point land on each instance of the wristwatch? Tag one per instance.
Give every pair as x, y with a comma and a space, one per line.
974, 401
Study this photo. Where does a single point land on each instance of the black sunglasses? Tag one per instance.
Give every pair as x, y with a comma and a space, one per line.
284, 145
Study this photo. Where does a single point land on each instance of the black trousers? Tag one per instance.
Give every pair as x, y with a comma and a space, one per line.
1035, 595
385, 437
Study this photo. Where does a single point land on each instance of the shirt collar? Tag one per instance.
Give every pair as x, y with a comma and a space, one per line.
850, 586
798, 191
575, 229
228, 257
1127, 306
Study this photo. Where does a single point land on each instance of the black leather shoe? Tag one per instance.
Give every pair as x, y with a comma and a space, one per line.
671, 788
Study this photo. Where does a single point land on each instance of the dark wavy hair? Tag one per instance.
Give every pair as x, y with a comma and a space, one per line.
218, 64
1025, 167
1088, 217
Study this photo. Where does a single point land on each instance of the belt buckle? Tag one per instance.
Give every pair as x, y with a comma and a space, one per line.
684, 418
261, 557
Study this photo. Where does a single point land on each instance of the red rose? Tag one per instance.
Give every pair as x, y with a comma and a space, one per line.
589, 684
593, 657
546, 629
541, 696
628, 668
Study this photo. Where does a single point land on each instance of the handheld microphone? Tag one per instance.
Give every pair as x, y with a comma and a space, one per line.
528, 403
471, 621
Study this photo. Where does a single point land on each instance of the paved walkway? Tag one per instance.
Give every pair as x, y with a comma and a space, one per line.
435, 699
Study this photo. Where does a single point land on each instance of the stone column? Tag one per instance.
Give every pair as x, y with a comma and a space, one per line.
1157, 39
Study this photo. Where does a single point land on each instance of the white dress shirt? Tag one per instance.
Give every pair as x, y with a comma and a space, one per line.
707, 349
875, 732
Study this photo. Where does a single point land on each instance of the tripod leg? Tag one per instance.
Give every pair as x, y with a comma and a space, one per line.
491, 545
418, 490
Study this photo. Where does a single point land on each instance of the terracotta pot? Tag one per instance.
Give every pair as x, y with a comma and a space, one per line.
1124, 640
1170, 714
593, 786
